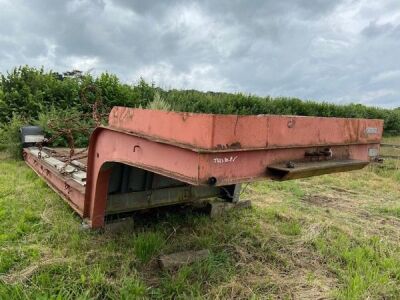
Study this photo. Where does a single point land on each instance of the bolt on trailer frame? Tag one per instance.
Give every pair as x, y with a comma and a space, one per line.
148, 158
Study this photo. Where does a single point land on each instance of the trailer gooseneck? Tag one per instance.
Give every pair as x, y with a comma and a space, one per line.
149, 158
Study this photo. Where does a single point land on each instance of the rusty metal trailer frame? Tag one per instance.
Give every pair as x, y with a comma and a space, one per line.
208, 153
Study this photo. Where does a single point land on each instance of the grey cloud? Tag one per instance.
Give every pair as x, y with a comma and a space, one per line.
339, 51
375, 30
147, 7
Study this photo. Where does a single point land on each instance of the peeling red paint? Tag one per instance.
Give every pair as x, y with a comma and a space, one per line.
196, 147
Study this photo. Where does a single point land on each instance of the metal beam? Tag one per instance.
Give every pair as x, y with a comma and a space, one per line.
126, 202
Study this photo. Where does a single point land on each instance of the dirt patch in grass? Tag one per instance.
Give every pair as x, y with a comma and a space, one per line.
327, 201
321, 200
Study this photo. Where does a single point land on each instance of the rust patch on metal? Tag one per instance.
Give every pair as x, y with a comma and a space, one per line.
291, 123
232, 146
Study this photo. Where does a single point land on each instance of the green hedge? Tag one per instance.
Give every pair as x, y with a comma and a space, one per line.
27, 92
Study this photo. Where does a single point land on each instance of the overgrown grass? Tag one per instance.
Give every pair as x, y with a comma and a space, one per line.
333, 236
367, 268
159, 103
10, 141
392, 211
147, 244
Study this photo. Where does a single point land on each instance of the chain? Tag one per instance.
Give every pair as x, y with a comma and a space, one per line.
69, 128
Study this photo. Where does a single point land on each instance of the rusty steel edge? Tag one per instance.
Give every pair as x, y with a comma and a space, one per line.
205, 150
66, 188
218, 133
109, 145
189, 162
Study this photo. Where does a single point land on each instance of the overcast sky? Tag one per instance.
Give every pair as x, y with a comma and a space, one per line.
332, 50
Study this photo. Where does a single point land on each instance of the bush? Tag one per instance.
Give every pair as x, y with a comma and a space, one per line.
34, 93
55, 122
10, 140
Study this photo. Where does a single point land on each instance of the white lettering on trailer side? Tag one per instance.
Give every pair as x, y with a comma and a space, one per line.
224, 160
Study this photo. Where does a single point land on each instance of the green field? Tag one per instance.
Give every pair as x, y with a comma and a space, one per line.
333, 236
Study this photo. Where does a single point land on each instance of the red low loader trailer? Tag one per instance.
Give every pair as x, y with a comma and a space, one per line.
149, 158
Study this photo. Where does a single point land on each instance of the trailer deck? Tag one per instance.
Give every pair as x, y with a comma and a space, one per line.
147, 158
